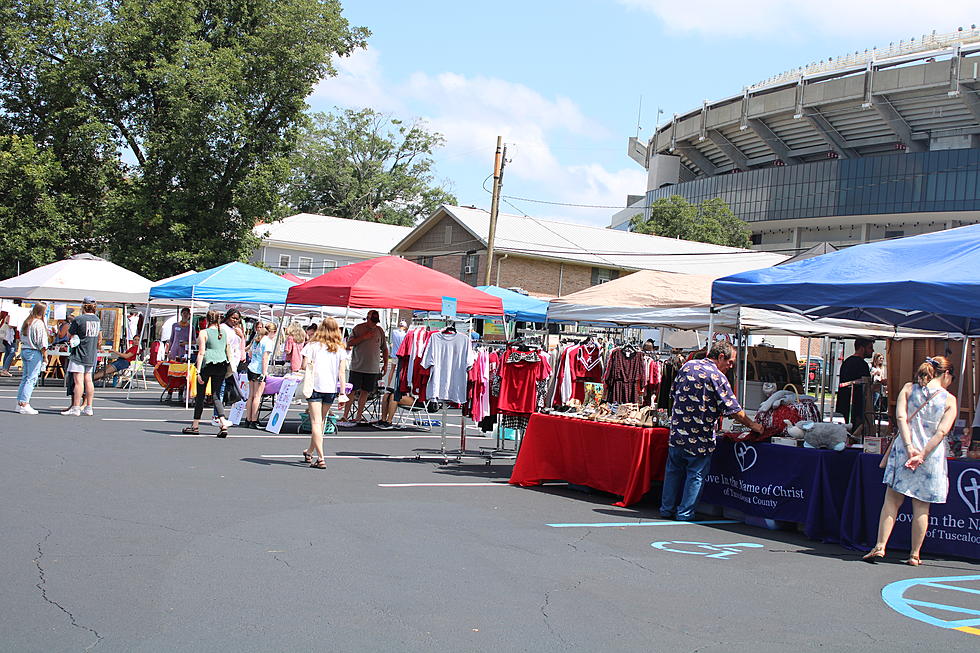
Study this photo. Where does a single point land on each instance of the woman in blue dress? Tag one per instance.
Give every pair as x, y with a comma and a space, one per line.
916, 462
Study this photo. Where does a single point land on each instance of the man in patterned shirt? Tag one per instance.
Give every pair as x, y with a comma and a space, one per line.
701, 395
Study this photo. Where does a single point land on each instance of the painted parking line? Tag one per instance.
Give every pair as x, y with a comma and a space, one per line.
894, 597
146, 408
327, 438
137, 419
617, 524
486, 484
363, 457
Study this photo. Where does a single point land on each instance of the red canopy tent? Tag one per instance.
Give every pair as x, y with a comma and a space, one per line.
289, 276
392, 282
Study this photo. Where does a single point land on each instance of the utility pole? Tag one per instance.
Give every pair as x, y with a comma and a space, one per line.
499, 161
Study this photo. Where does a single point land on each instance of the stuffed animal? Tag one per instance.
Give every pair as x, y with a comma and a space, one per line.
783, 397
819, 435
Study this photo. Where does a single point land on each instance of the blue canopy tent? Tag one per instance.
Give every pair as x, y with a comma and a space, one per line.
929, 282
232, 282
517, 306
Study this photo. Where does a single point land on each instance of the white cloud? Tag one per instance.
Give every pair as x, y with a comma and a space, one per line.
891, 19
471, 111
358, 84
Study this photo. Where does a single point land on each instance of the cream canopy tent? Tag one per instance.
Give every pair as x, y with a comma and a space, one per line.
683, 301
77, 277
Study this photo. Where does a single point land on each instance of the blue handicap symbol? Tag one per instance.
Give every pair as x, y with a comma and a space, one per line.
951, 602
719, 551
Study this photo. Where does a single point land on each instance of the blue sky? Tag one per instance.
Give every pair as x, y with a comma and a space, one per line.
561, 80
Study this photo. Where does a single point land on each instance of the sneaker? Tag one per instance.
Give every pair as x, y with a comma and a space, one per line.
74, 411
384, 426
347, 424
214, 421
88, 411
26, 410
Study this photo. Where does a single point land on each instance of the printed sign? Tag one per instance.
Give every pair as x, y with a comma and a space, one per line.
763, 480
449, 306
493, 331
237, 411
283, 399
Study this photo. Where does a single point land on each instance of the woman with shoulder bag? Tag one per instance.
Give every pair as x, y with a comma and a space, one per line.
915, 464
325, 360
212, 363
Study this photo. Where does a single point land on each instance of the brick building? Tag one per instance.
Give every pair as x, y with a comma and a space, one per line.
552, 259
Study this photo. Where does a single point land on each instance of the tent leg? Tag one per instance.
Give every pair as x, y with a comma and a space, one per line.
959, 392
834, 376
190, 337
711, 328
282, 324
806, 373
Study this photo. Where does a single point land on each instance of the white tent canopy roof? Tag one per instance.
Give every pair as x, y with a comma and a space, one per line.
73, 279
682, 301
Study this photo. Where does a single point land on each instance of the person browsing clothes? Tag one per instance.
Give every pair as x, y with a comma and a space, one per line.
701, 395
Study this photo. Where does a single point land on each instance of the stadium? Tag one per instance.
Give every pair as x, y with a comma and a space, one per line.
872, 145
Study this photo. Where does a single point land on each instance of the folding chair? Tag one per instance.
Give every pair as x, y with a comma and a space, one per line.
135, 372
418, 415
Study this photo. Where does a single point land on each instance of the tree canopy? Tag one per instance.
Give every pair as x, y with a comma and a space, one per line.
711, 221
171, 121
365, 165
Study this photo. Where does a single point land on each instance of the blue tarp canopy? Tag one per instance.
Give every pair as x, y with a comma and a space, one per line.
232, 283
927, 282
517, 306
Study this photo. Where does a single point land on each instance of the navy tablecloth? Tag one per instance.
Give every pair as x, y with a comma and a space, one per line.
782, 483
954, 527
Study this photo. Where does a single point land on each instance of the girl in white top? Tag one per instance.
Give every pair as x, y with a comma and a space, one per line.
34, 355
324, 356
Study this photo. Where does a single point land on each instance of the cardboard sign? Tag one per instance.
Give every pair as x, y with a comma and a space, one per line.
449, 306
283, 399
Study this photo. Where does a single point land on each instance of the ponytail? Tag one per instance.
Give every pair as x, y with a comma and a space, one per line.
931, 368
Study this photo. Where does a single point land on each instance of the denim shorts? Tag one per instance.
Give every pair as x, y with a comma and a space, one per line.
322, 397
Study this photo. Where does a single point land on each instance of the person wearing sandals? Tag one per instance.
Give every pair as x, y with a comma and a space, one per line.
915, 465
212, 363
325, 357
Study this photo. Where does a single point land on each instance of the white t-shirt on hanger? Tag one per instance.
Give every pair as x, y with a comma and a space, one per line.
449, 356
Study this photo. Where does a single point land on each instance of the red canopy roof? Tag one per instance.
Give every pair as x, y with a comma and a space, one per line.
392, 282
289, 276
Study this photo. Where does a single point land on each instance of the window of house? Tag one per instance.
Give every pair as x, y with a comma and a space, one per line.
603, 275
468, 267
329, 265
284, 261
305, 265
426, 261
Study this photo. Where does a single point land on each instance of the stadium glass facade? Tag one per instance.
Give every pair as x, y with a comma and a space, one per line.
924, 182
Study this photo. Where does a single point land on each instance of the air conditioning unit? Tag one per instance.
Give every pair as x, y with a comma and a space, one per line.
468, 269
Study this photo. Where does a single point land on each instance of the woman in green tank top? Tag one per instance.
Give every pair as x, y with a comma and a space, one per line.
212, 365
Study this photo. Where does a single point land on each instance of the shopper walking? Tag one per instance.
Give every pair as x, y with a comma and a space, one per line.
915, 465
212, 364
260, 354
232, 329
325, 357
8, 336
87, 329
34, 356
701, 395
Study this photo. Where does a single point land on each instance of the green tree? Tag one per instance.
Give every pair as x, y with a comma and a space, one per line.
366, 165
711, 221
173, 119
32, 222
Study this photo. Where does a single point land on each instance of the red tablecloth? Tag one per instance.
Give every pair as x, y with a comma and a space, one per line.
609, 457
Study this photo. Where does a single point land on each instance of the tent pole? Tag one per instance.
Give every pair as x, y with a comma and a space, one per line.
711, 328
834, 376
745, 365
825, 350
806, 373
959, 392
190, 336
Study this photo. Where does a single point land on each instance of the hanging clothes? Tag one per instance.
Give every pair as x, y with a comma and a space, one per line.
448, 356
520, 376
623, 374
587, 367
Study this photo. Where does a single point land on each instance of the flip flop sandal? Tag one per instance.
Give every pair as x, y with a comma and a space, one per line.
320, 464
223, 433
190, 430
307, 458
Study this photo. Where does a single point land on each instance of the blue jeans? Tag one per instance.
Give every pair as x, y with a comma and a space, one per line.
32, 361
9, 349
682, 483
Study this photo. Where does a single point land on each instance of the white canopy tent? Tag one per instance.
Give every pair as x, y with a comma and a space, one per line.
75, 278
683, 301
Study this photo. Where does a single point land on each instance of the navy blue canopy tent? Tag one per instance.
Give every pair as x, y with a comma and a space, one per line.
517, 306
929, 282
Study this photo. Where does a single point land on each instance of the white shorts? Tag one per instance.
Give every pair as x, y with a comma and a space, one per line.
78, 367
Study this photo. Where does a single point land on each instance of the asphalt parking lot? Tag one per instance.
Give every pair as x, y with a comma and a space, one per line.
120, 534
